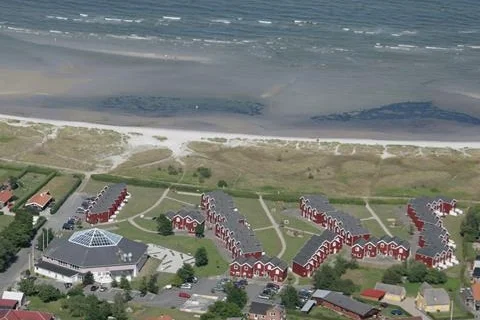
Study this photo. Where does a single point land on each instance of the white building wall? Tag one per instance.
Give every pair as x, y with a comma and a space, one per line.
56, 276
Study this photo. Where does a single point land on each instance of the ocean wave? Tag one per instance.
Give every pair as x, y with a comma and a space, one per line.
404, 33
56, 31
358, 31
437, 48
224, 21
137, 37
398, 48
83, 15
112, 19
172, 18
127, 20
346, 29
467, 31
406, 46
57, 17
474, 47
264, 21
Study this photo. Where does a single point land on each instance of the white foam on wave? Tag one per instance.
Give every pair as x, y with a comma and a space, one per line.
467, 31
406, 46
127, 20
139, 20
217, 41
264, 21
474, 47
78, 20
358, 31
172, 18
436, 48
16, 29
346, 29
299, 21
56, 31
137, 37
398, 48
341, 49
61, 18
83, 15
224, 21
113, 19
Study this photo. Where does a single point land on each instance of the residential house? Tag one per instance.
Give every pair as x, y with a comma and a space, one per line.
392, 292
266, 311
25, 315
344, 305
314, 208
373, 294
186, 219
15, 295
431, 299
106, 203
364, 248
39, 201
267, 267
394, 247
5, 197
475, 290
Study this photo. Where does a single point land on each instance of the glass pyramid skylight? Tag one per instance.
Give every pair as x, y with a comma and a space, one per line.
93, 238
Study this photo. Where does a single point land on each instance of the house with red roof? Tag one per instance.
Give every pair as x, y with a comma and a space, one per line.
5, 197
373, 294
40, 200
25, 315
8, 304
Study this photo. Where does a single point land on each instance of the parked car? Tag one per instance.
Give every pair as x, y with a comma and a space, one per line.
186, 286
244, 282
67, 226
384, 305
68, 285
184, 295
239, 285
396, 312
93, 288
168, 287
192, 280
264, 295
273, 286
304, 293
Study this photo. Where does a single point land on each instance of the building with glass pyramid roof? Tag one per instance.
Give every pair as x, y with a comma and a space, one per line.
107, 255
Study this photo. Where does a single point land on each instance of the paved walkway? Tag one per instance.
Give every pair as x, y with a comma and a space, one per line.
275, 225
367, 205
409, 305
264, 228
182, 202
131, 220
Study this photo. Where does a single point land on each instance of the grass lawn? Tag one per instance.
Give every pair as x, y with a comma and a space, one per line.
253, 211
163, 278
53, 307
146, 223
165, 206
5, 221
6, 173
390, 216
269, 240
277, 209
186, 244
60, 185
412, 288
374, 227
28, 182
195, 200
364, 277
294, 244
142, 198
355, 210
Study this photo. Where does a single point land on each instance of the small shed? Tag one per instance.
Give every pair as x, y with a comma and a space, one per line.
307, 307
373, 294
14, 295
8, 304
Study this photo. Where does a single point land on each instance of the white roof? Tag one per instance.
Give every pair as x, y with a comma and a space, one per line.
13, 295
91, 238
320, 293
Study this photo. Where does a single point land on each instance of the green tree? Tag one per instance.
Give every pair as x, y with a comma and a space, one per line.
417, 272
118, 307
289, 296
88, 279
47, 293
201, 257
114, 283
185, 272
152, 285
97, 310
391, 276
124, 283
204, 172
224, 310
13, 182
236, 295
143, 288
164, 225
177, 281
325, 277
28, 287
435, 276
76, 291
45, 238
200, 230
222, 184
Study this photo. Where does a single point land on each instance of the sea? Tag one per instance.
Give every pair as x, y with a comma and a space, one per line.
267, 60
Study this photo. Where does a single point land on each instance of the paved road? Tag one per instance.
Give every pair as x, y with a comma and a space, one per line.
275, 225
131, 220
367, 205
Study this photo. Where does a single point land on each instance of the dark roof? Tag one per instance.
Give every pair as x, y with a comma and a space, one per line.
185, 212
312, 245
476, 273
241, 260
319, 202
433, 249
83, 256
57, 269
349, 304
278, 263
349, 223
105, 200
261, 307
396, 240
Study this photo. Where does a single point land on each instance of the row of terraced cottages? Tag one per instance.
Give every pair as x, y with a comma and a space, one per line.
233, 230
435, 247
266, 267
185, 219
394, 247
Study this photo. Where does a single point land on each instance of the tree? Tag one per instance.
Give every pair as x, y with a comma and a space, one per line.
201, 257
185, 272
417, 272
88, 279
97, 310
143, 288
76, 291
392, 276
223, 310
47, 293
114, 283
289, 297
435, 276
45, 238
200, 230
204, 172
153, 283
222, 184
236, 295
325, 277
164, 226
28, 287
118, 307
124, 283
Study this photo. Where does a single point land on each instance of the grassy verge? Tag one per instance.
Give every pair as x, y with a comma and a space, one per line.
358, 211
5, 221
165, 206
294, 244
253, 211
269, 239
364, 277
374, 227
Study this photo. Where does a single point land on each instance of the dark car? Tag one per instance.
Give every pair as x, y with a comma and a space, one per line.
192, 280
273, 286
67, 226
93, 288
68, 285
396, 312
239, 285
243, 282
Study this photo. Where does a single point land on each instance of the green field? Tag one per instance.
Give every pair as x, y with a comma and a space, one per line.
355, 210
277, 209
60, 185
186, 244
146, 223
364, 277
142, 198
316, 313
374, 227
389, 214
5, 221
27, 183
253, 211
7, 173
294, 244
195, 200
165, 206
269, 240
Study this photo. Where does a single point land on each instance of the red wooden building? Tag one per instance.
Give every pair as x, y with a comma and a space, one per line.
106, 203
187, 220
344, 305
264, 267
365, 248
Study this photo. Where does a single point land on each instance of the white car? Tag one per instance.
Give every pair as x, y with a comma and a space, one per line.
168, 286
186, 286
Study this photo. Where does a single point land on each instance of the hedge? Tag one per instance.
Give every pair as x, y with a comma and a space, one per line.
388, 201
22, 200
40, 222
42, 170
285, 197
355, 201
131, 181
22, 173
61, 201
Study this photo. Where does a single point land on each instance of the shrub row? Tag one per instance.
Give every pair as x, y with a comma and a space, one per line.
131, 181
355, 201
40, 222
388, 201
22, 200
41, 170
60, 202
